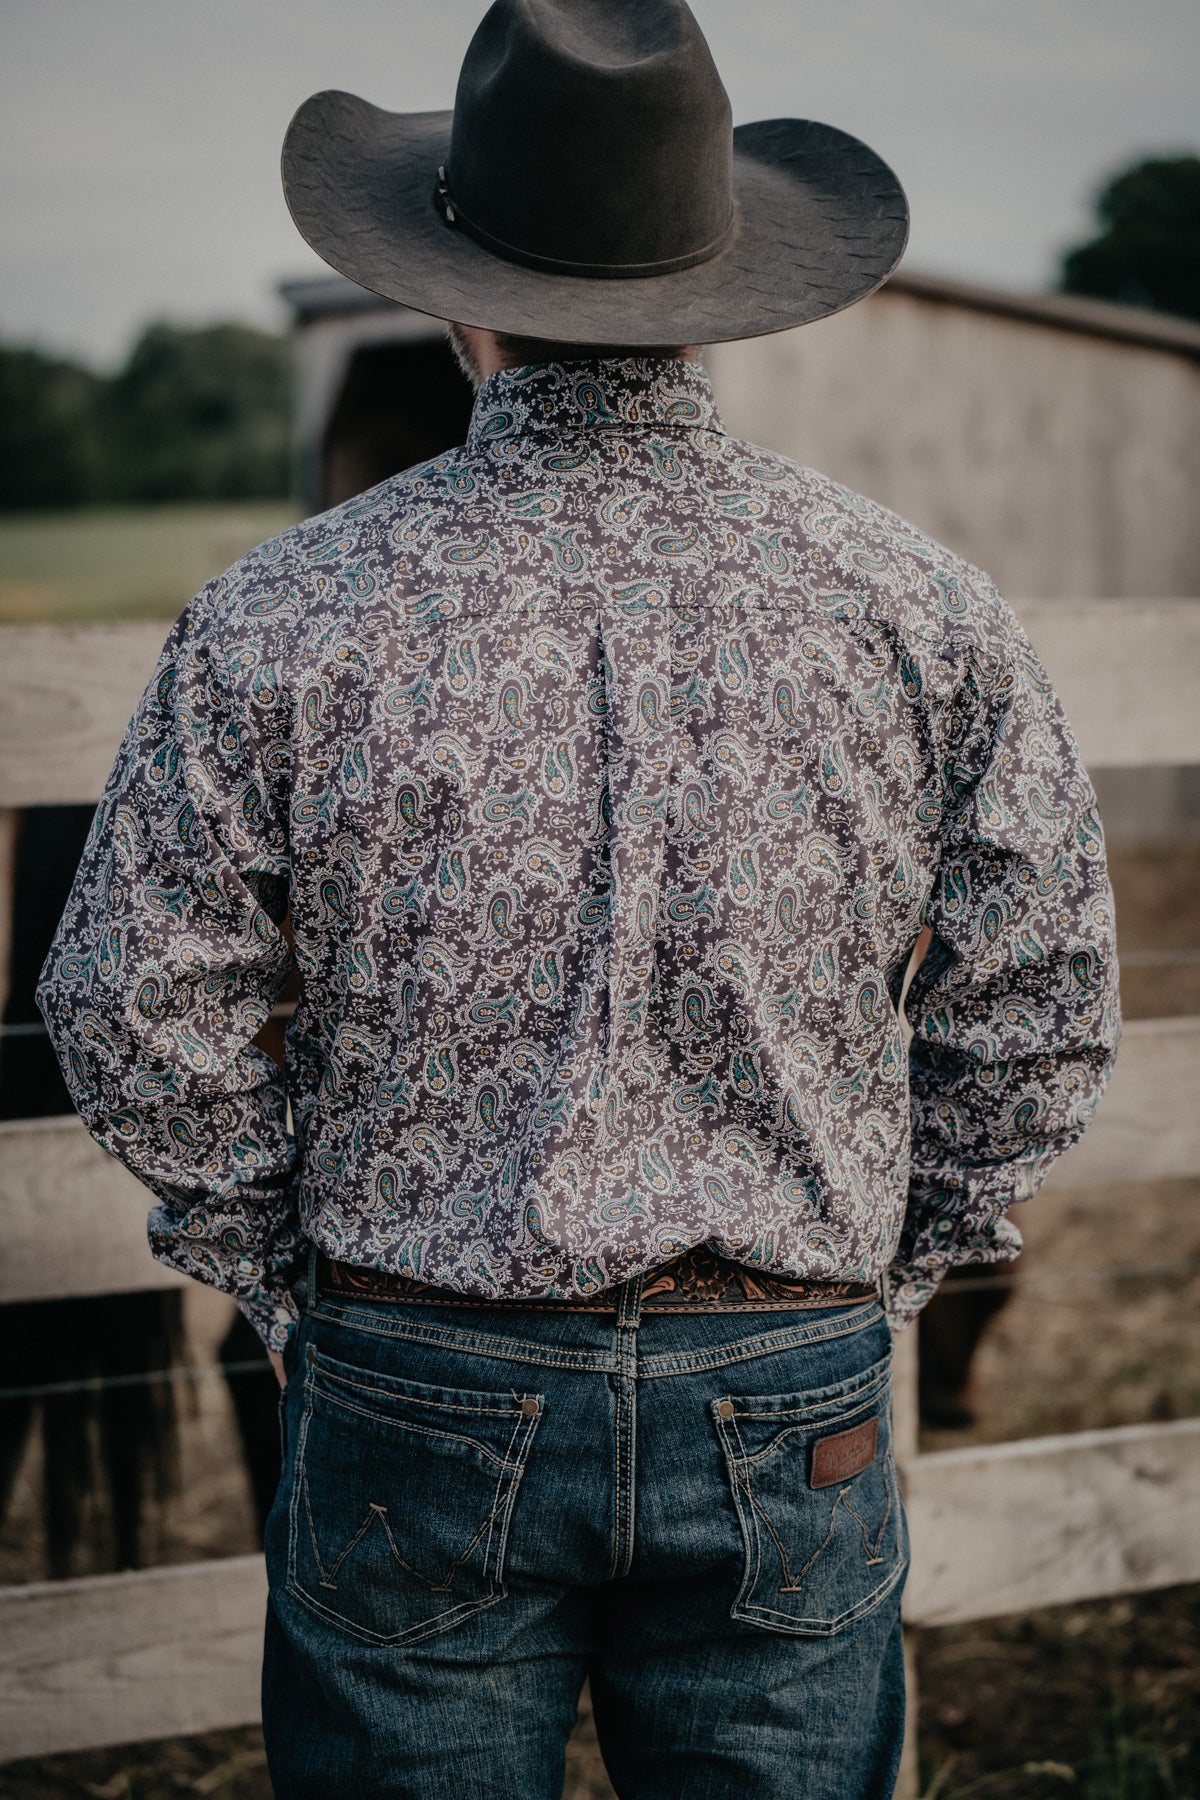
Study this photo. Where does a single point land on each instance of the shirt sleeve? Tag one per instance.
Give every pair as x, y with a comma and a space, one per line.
167, 960
1015, 1011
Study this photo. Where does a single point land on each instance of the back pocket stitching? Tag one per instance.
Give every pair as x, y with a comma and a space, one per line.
508, 1479
506, 1499
412, 1634
756, 1611
840, 1419
751, 1536
377, 1512
505, 1466
326, 1371
790, 1584
754, 1514
326, 1579
865, 1389
872, 1549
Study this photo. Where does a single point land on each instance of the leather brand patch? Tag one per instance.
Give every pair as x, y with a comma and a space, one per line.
844, 1454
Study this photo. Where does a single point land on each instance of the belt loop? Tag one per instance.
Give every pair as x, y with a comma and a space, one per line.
311, 1294
629, 1311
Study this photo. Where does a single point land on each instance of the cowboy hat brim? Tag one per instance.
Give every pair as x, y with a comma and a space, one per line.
820, 221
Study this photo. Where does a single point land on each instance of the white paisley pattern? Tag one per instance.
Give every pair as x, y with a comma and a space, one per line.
610, 768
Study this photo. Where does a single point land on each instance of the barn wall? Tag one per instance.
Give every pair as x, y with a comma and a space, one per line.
1064, 463
323, 351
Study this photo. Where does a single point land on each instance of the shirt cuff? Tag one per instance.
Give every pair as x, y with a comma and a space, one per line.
274, 1317
269, 1292
908, 1287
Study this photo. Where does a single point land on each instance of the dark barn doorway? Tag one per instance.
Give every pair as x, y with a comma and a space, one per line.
400, 404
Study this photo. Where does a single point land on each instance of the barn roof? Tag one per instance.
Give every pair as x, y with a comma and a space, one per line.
335, 296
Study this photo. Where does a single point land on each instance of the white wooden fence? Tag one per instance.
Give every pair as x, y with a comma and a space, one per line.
113, 1658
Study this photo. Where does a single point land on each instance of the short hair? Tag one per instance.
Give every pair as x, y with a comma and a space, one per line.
518, 351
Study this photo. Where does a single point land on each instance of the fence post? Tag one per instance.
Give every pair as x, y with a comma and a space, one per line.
905, 1423
9, 825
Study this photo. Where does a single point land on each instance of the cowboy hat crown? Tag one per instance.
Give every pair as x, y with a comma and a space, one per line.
591, 137
588, 187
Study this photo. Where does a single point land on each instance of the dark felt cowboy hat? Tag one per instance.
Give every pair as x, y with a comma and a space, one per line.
588, 187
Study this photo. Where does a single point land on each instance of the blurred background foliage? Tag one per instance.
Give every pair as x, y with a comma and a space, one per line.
194, 413
1147, 252
202, 413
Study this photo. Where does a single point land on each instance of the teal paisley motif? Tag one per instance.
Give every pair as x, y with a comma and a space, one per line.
605, 768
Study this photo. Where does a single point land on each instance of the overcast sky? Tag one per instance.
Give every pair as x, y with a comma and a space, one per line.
140, 138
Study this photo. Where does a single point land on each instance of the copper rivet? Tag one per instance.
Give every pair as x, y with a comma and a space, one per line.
725, 1409
529, 1407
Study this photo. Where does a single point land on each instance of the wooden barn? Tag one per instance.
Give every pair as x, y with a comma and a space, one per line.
946, 402
951, 404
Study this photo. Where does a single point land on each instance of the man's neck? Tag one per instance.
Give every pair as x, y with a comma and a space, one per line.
479, 353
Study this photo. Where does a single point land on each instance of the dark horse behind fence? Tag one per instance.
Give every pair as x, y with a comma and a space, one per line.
110, 1441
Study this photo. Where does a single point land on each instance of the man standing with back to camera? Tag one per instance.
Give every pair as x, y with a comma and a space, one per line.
609, 769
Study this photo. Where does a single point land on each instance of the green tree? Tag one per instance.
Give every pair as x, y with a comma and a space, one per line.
1148, 251
49, 439
199, 414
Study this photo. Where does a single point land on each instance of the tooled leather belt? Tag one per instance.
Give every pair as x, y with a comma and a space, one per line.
696, 1278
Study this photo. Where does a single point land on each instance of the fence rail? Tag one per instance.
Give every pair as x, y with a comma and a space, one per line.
1127, 672
165, 1652
1005, 1527
109, 1659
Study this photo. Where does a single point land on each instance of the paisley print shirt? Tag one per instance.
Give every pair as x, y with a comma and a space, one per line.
609, 768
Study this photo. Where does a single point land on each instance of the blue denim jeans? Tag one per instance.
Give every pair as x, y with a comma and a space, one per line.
479, 1509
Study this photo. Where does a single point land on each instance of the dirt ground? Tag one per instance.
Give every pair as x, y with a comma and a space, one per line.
1099, 1701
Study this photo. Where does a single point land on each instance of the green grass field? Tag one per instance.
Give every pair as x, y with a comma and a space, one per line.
124, 562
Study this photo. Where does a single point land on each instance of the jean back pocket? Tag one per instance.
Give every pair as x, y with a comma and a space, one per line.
813, 1478
402, 1499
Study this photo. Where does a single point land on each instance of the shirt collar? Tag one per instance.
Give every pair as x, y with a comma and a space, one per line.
624, 391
